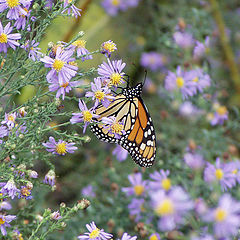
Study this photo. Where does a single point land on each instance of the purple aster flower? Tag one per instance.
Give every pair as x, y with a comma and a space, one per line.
15, 8
60, 65
85, 116
80, 47
108, 47
88, 191
100, 94
200, 79
201, 48
8, 39
226, 217
22, 112
222, 173
3, 131
50, 178
236, 169
20, 23
194, 160
177, 80
56, 215
32, 174
160, 180
70, 8
95, 233
10, 189
32, 49
154, 236
60, 148
125, 236
62, 88
138, 187
114, 127
25, 193
120, 153
200, 207
136, 207
4, 205
152, 60
171, 207
220, 115
4, 222
49, 4
187, 109
112, 7
183, 39
111, 72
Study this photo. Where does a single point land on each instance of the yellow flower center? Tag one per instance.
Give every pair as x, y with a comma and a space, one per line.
99, 95
138, 189
220, 215
117, 128
1, 221
222, 110
195, 79
115, 78
11, 118
165, 208
25, 192
179, 82
58, 65
219, 174
3, 38
87, 116
61, 148
109, 46
94, 233
152, 60
20, 237
166, 184
115, 2
64, 85
12, 3
235, 171
1, 195
79, 43
153, 237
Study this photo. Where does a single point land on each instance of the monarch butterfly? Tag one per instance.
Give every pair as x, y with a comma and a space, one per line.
139, 137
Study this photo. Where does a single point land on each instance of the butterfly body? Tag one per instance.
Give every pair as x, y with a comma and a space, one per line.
139, 138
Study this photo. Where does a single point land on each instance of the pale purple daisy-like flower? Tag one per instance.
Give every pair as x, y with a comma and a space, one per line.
136, 207
226, 217
70, 8
152, 60
80, 47
200, 79
220, 172
59, 148
113, 126
201, 48
9, 189
200, 207
171, 207
120, 153
25, 193
183, 39
236, 169
86, 115
3, 131
126, 236
61, 88
4, 205
194, 160
100, 94
20, 23
95, 233
50, 178
112, 7
220, 116
60, 65
154, 236
88, 191
8, 39
160, 180
138, 187
5, 220
111, 72
32, 49
56, 215
108, 48
187, 109
178, 81
15, 8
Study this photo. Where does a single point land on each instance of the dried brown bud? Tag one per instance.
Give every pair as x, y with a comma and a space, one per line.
83, 204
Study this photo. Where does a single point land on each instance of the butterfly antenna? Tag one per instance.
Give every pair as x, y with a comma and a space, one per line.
145, 76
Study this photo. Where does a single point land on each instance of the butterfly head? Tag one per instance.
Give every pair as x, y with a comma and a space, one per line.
133, 91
